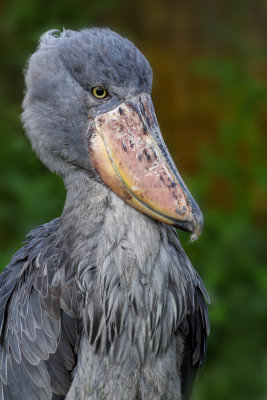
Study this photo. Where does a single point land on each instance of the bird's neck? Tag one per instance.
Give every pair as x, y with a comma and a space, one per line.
98, 226
84, 209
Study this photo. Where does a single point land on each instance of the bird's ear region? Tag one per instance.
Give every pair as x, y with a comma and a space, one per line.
131, 157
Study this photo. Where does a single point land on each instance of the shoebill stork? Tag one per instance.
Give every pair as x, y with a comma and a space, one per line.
102, 302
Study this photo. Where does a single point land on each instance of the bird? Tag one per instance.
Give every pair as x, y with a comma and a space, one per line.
102, 302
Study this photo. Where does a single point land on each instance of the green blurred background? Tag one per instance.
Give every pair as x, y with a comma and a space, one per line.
210, 67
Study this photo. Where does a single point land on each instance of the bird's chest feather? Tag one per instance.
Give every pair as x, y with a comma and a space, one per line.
133, 297
130, 316
133, 302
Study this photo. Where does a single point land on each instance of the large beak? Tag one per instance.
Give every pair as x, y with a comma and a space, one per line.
129, 154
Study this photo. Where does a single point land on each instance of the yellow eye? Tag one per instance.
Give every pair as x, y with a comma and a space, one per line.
99, 92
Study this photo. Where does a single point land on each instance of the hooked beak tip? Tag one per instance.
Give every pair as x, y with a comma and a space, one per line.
198, 225
194, 225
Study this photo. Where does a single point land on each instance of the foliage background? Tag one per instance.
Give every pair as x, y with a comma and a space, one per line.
210, 92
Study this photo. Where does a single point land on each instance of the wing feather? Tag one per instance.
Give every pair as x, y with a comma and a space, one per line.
38, 321
194, 328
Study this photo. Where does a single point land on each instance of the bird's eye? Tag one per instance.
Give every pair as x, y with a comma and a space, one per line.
99, 92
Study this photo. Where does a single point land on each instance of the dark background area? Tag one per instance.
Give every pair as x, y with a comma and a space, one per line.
210, 93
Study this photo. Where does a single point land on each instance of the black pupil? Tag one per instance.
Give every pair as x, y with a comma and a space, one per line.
100, 91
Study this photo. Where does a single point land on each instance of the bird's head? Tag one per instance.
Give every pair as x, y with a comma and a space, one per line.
88, 106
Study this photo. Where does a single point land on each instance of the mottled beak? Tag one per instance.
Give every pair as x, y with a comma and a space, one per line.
129, 154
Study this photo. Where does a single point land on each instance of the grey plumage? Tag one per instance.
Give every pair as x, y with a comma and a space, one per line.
101, 303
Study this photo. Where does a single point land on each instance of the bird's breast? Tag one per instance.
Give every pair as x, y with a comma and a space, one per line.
134, 297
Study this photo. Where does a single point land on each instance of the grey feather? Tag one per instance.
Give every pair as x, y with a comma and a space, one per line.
31, 335
101, 303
